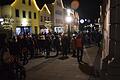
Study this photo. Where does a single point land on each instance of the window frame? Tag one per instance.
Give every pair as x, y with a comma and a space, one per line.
35, 15
44, 18
48, 18
29, 2
30, 15
24, 13
17, 13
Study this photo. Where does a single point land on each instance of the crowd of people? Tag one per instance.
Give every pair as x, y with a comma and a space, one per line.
19, 49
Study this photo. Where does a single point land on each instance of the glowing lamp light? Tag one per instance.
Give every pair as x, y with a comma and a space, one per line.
68, 19
85, 19
68, 11
2, 22
82, 21
89, 21
24, 23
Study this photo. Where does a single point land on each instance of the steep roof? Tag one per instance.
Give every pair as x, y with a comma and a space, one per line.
50, 7
45, 6
6, 2
41, 3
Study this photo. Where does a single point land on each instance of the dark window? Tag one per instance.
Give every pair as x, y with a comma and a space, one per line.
41, 18
58, 12
17, 12
23, 1
24, 14
48, 18
34, 15
30, 14
44, 18
29, 2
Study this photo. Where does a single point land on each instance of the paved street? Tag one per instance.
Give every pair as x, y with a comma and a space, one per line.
58, 68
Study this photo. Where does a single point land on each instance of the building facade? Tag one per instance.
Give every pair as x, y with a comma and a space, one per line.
111, 47
58, 16
106, 27
6, 15
25, 15
0, 11
45, 19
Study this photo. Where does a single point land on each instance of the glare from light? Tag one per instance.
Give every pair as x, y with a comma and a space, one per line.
85, 19
1, 19
91, 25
87, 31
89, 21
46, 30
2, 23
82, 21
68, 19
68, 11
24, 23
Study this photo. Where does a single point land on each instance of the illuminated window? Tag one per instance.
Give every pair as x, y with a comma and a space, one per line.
34, 15
23, 1
24, 14
30, 14
29, 2
17, 12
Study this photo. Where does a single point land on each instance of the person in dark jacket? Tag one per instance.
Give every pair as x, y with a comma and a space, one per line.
57, 45
65, 45
47, 46
73, 46
79, 47
24, 49
31, 47
6, 67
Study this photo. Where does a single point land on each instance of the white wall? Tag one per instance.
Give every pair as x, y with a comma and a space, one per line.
58, 17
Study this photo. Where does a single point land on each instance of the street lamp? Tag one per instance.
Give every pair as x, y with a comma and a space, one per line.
82, 21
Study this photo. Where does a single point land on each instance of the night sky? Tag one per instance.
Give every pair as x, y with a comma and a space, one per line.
87, 9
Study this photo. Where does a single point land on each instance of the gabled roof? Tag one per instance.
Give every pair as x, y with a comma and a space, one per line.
45, 6
50, 7
34, 2
41, 3
61, 3
6, 2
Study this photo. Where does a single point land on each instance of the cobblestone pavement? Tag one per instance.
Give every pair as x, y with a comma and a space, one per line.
58, 68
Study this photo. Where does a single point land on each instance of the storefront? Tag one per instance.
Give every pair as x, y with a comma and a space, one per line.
58, 29
43, 29
23, 30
